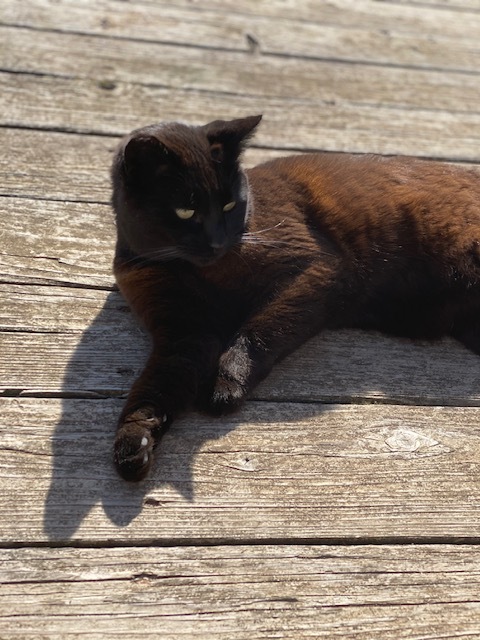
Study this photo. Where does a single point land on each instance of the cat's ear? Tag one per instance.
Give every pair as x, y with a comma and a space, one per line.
228, 137
145, 156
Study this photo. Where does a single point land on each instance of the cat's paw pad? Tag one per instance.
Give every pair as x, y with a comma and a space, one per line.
135, 441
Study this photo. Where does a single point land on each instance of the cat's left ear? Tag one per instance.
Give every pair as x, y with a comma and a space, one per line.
144, 156
227, 138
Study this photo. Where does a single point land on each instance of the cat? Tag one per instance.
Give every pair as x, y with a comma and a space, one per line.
231, 270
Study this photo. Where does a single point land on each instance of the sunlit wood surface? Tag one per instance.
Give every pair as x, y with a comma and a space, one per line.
343, 501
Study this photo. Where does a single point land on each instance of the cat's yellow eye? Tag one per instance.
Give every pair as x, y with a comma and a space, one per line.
228, 207
185, 214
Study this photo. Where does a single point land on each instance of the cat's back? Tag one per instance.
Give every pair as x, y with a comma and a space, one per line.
366, 175
359, 199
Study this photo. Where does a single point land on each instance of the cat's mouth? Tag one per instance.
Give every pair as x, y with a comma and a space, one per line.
205, 260
211, 255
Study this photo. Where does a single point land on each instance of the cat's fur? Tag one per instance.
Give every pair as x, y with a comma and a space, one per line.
314, 241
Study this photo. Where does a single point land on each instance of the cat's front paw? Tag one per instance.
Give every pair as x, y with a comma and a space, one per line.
227, 396
232, 382
135, 441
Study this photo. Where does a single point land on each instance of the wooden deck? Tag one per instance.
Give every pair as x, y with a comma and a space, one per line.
344, 500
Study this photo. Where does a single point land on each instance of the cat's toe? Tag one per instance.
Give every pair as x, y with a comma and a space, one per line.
134, 444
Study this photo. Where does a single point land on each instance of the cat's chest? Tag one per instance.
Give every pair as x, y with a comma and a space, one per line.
250, 270
233, 272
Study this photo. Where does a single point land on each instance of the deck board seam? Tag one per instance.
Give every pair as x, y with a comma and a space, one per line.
119, 543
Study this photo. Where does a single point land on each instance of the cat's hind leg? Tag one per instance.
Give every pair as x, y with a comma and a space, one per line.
467, 330
470, 337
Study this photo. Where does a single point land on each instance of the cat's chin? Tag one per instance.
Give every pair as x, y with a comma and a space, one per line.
198, 261
206, 260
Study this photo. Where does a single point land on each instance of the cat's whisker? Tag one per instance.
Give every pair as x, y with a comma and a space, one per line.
275, 226
278, 243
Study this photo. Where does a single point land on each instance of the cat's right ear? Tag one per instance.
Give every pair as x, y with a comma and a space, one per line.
144, 156
227, 138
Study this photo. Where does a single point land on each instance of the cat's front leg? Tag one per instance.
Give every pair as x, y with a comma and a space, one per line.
167, 386
139, 431
278, 328
234, 377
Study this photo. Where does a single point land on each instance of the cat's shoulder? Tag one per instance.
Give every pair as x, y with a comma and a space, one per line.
331, 165
326, 160
369, 167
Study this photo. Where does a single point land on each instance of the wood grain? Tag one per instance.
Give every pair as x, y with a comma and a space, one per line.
51, 165
285, 471
360, 592
253, 526
351, 31
421, 15
85, 106
56, 242
153, 63
462, 5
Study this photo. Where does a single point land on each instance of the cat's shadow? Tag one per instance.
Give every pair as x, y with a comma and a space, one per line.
107, 359
109, 356
98, 373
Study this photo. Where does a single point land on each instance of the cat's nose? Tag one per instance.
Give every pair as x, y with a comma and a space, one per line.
218, 251
219, 248
218, 240
216, 237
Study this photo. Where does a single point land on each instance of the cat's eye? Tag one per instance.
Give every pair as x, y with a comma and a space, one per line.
228, 207
185, 214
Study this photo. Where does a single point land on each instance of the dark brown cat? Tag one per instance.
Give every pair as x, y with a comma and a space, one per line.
231, 270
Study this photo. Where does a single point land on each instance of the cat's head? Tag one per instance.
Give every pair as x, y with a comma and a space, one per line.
179, 192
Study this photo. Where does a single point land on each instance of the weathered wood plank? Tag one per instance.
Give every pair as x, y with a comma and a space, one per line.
87, 106
56, 242
93, 345
349, 31
462, 5
377, 14
60, 310
109, 61
234, 592
50, 165
271, 472
351, 366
